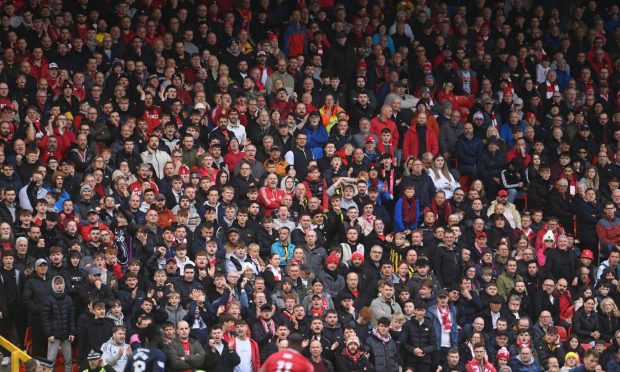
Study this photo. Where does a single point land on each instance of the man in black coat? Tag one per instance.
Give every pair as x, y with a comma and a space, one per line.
263, 332
546, 300
341, 58
220, 356
422, 182
561, 204
94, 288
37, 288
11, 286
490, 164
539, 188
420, 340
95, 331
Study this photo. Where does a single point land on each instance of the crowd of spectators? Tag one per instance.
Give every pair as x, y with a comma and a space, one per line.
281, 185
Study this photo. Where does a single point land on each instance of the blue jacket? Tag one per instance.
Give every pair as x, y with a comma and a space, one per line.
278, 248
399, 224
431, 314
518, 366
61, 199
316, 140
506, 133
467, 151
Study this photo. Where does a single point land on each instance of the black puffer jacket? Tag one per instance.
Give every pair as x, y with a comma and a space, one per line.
58, 313
418, 336
383, 355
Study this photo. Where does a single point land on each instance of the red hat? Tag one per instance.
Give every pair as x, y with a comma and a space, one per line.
369, 139
171, 259
530, 115
357, 255
362, 64
587, 254
503, 353
507, 90
184, 171
332, 258
502, 193
480, 234
10, 106
427, 65
272, 36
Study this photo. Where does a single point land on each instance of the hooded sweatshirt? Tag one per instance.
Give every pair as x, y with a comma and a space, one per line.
111, 357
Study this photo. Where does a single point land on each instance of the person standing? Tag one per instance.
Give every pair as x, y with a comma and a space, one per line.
37, 287
58, 321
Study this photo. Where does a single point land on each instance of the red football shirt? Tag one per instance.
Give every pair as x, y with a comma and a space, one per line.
287, 361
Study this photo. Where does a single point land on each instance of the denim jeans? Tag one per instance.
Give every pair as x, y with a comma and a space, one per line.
52, 351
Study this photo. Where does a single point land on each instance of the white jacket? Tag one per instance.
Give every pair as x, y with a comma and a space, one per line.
444, 184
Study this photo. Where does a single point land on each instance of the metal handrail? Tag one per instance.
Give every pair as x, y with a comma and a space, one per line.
18, 356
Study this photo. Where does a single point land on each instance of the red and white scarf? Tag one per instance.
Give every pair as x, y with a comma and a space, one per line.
551, 87
446, 320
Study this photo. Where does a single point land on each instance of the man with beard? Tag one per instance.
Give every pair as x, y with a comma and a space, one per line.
144, 175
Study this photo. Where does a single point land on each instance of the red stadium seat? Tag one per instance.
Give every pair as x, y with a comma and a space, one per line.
563, 333
28, 341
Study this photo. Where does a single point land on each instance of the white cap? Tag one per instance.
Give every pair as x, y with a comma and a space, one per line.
549, 236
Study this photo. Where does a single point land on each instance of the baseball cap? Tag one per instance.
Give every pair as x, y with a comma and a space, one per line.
502, 193
587, 254
94, 271
369, 139
52, 65
261, 53
584, 127
442, 293
40, 261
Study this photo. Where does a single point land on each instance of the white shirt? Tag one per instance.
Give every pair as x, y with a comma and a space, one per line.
244, 350
494, 318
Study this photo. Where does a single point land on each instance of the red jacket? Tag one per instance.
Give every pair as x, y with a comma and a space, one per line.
410, 145
376, 125
270, 199
474, 366
608, 231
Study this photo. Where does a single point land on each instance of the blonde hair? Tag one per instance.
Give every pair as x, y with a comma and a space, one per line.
614, 308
